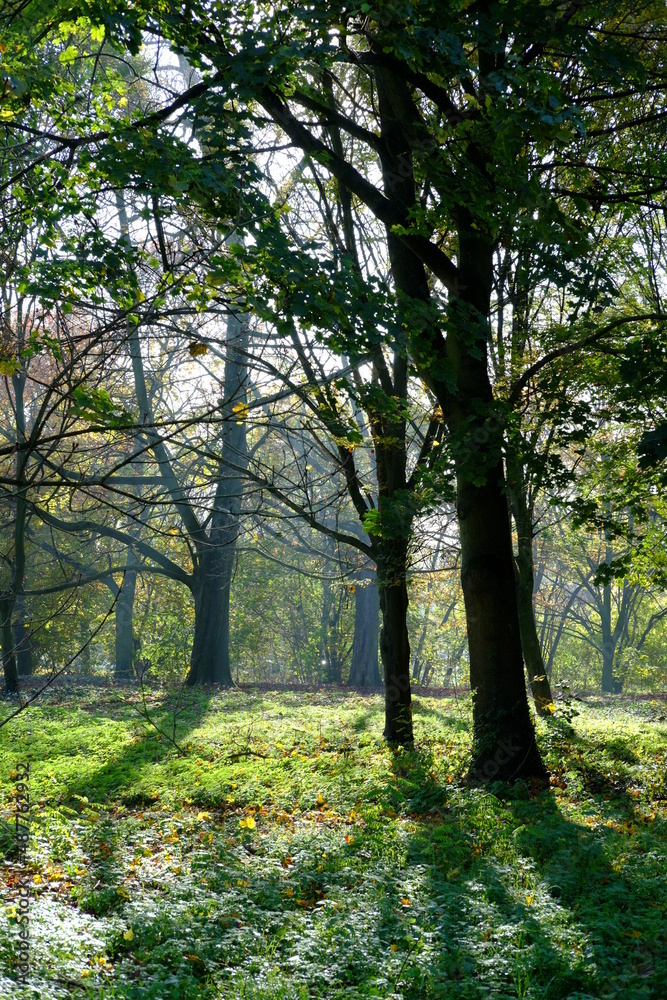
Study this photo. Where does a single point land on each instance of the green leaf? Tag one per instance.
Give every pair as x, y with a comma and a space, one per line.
69, 55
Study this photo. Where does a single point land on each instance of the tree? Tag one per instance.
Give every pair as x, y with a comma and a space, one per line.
495, 132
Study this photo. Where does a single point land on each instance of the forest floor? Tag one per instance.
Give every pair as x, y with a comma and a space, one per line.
282, 851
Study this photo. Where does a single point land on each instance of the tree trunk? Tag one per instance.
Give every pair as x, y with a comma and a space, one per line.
364, 671
504, 740
209, 660
504, 746
123, 670
607, 685
608, 645
8, 647
394, 644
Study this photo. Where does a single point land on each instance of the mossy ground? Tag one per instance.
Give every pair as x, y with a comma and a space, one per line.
287, 852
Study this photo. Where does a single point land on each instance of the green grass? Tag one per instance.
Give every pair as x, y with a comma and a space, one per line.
286, 852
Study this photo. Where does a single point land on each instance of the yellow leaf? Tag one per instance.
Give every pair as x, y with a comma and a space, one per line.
248, 823
128, 935
289, 892
241, 411
393, 946
173, 531
320, 799
349, 838
530, 899
9, 366
405, 901
202, 817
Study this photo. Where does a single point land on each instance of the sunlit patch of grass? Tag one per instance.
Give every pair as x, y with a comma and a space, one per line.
284, 851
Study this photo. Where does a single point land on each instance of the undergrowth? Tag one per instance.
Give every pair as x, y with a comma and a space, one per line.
282, 851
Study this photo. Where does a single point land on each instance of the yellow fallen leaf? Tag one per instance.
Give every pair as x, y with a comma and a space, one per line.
393, 946
320, 799
128, 935
202, 817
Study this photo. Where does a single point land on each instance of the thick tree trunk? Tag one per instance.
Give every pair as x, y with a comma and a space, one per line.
123, 670
7, 643
364, 671
504, 739
394, 644
209, 659
504, 746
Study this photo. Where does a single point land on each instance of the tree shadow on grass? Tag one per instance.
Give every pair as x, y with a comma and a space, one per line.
563, 920
130, 763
